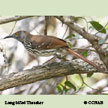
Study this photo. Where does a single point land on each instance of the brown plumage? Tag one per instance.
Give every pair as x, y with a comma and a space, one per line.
47, 42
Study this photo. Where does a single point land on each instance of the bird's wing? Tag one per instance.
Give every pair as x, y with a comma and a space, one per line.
47, 42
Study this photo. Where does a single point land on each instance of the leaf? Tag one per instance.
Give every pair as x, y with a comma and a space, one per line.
106, 27
98, 26
59, 89
71, 35
70, 45
85, 53
65, 89
69, 84
107, 55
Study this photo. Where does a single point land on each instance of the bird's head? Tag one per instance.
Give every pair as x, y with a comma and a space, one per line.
20, 36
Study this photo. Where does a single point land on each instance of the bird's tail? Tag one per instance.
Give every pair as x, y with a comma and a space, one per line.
84, 59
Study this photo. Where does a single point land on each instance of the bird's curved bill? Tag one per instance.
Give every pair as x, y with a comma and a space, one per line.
8, 37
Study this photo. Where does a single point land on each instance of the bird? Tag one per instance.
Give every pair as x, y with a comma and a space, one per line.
46, 45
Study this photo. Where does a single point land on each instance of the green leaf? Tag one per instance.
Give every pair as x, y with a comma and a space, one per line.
65, 89
106, 27
59, 89
69, 84
71, 35
70, 45
85, 53
107, 55
98, 26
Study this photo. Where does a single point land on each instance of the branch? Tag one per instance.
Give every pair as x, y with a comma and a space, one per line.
11, 19
87, 36
45, 72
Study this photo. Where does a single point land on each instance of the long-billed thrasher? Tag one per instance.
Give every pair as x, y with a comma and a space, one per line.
46, 45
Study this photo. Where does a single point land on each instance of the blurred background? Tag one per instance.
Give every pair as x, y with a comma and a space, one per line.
14, 57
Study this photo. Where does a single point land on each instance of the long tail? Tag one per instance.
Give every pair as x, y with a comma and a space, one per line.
84, 59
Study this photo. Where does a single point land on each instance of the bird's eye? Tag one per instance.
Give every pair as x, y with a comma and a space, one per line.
16, 34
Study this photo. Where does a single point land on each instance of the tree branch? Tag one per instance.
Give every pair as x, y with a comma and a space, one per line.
11, 19
87, 36
45, 72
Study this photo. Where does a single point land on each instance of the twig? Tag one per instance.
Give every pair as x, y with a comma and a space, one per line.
86, 83
83, 19
13, 28
11, 19
46, 24
65, 32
